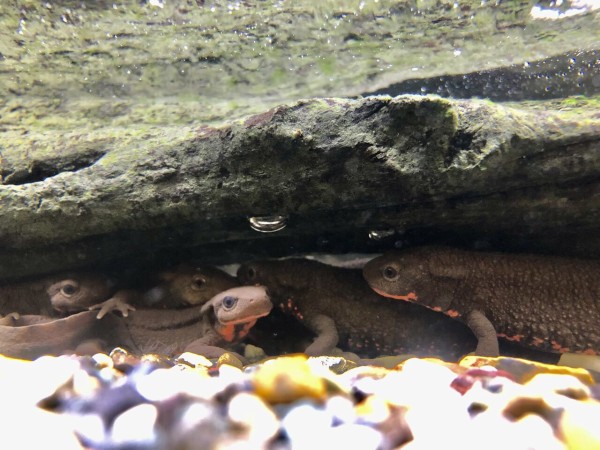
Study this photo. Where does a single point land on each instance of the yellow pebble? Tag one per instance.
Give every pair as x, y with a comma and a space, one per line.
84, 384
373, 409
579, 426
590, 362
336, 364
159, 360
287, 379
102, 360
253, 353
528, 369
194, 360
231, 360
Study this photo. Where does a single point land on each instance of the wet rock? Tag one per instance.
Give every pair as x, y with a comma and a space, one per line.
441, 168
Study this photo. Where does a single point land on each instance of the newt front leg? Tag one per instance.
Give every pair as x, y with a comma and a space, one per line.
484, 331
327, 335
119, 302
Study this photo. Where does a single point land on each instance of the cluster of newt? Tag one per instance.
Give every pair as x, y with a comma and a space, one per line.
424, 301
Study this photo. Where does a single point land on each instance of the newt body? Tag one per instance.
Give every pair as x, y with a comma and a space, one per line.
224, 319
547, 303
31, 336
340, 308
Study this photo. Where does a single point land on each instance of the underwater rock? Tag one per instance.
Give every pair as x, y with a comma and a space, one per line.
471, 169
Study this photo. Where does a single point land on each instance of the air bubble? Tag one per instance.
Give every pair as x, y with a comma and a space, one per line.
378, 235
268, 224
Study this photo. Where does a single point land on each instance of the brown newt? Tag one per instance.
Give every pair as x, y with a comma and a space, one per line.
547, 303
340, 308
187, 285
30, 297
223, 320
181, 286
32, 335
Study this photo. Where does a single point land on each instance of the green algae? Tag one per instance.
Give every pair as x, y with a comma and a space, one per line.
66, 64
126, 91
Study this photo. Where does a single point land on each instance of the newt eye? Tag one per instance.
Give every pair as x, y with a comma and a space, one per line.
198, 283
390, 273
229, 302
68, 289
251, 273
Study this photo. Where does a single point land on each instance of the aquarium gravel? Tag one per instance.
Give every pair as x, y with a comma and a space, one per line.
120, 401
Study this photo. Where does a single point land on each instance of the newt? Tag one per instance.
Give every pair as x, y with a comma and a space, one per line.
30, 297
223, 320
542, 302
187, 285
30, 336
338, 306
180, 286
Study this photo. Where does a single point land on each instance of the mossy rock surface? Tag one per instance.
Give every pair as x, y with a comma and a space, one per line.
330, 165
141, 131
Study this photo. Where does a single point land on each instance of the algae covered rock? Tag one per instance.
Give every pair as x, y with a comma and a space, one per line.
326, 164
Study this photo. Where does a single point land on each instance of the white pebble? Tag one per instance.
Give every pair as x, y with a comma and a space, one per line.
102, 360
193, 415
530, 432
163, 384
135, 425
25, 427
305, 424
230, 374
419, 386
194, 359
83, 384
160, 385
341, 408
251, 412
352, 436
89, 426
41, 378
544, 383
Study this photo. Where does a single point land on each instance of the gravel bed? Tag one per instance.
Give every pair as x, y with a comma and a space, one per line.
120, 401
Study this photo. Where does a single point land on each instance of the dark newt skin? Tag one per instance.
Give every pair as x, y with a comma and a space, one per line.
338, 306
546, 303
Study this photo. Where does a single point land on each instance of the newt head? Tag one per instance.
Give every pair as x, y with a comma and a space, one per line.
279, 278
77, 292
405, 275
236, 310
188, 285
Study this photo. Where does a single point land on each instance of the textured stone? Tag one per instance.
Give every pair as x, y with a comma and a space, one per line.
475, 170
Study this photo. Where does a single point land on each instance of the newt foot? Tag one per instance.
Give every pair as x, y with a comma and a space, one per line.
113, 304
